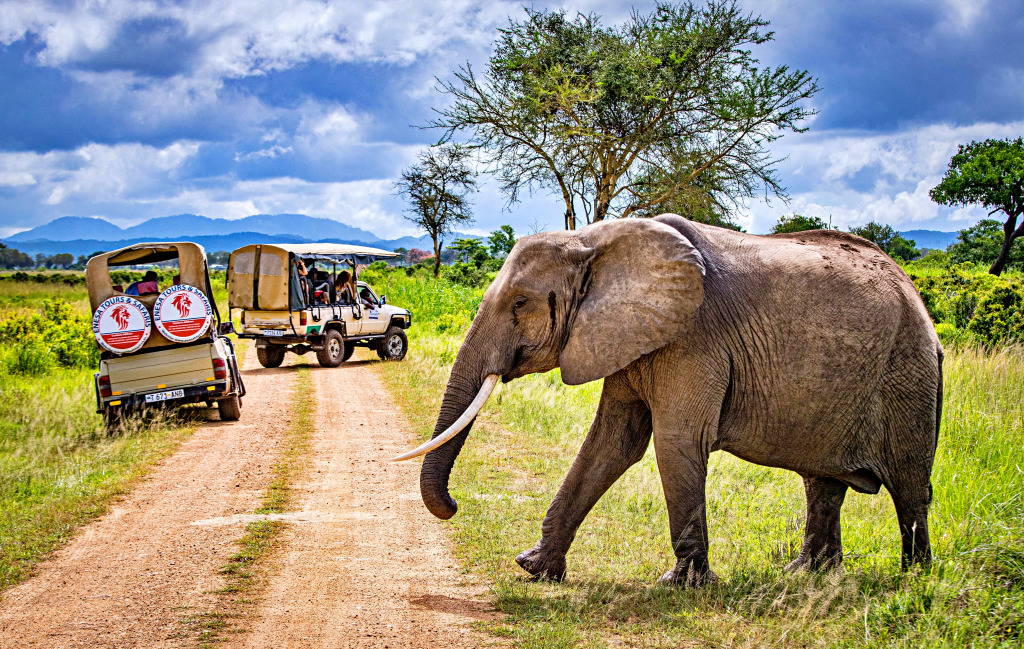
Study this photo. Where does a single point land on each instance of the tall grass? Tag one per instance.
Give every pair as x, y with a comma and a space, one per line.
528, 434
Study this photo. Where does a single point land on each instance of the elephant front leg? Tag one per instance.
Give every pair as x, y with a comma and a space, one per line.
823, 543
618, 438
683, 467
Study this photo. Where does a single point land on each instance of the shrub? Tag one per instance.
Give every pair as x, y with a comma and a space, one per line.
59, 333
469, 275
973, 305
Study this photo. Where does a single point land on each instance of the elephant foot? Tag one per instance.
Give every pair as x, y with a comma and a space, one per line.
820, 562
689, 574
542, 565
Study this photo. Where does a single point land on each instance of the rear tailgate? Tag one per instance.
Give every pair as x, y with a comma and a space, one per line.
182, 366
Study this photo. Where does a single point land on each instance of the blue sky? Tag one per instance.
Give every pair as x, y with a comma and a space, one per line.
131, 110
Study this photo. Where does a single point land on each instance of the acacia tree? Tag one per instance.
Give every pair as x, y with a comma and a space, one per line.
438, 187
798, 223
620, 119
990, 173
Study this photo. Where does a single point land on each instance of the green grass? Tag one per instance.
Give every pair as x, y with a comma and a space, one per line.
26, 298
528, 435
58, 469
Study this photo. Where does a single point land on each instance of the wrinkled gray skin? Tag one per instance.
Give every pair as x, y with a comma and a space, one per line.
810, 352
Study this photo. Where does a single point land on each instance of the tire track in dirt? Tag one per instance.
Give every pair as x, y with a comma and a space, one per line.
129, 577
364, 564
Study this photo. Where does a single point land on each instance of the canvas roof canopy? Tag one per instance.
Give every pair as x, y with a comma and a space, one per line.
262, 276
191, 262
191, 267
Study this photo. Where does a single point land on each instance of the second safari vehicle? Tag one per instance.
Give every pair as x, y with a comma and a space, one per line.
307, 297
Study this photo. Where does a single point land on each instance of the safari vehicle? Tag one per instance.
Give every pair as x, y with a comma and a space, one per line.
160, 346
285, 310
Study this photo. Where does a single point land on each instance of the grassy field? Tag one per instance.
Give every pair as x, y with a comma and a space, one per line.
58, 469
528, 434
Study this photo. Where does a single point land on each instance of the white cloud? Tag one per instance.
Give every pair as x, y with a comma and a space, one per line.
858, 177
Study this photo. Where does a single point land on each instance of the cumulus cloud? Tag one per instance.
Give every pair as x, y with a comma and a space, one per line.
856, 177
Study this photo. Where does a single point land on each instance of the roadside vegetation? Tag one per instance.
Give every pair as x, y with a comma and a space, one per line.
527, 436
58, 468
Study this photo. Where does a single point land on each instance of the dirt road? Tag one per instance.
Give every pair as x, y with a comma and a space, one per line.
363, 564
369, 567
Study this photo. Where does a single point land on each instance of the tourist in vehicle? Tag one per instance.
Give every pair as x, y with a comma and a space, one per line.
148, 285
321, 283
304, 285
342, 287
366, 299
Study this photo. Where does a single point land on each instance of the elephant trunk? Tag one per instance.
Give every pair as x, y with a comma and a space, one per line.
437, 466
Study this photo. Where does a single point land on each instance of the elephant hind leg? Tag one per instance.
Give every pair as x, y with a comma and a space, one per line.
823, 542
911, 493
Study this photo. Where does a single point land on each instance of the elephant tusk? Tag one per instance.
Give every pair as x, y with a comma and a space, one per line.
460, 423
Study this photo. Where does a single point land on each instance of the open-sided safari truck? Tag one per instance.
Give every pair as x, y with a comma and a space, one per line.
160, 344
290, 300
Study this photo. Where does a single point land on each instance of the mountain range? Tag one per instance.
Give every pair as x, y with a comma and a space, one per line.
83, 235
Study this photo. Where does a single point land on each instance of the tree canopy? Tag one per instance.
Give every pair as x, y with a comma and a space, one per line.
989, 173
620, 119
798, 223
501, 241
438, 187
888, 239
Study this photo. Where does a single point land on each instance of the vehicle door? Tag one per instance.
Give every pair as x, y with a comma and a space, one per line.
374, 319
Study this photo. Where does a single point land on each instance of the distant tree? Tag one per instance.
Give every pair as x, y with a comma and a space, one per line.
470, 250
798, 223
438, 187
888, 240
219, 258
990, 173
981, 244
502, 241
41, 260
617, 119
13, 258
416, 255
402, 251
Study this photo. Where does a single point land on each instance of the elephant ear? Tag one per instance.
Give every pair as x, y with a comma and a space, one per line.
640, 283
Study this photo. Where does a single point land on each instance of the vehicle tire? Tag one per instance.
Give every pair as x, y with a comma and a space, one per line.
394, 345
333, 353
349, 348
230, 409
113, 420
270, 356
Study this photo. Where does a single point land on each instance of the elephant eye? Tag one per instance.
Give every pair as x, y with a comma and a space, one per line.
519, 301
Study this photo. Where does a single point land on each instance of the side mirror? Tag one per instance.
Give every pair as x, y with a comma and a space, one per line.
383, 299
226, 328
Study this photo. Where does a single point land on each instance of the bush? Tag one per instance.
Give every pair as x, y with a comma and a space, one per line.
469, 275
972, 305
59, 334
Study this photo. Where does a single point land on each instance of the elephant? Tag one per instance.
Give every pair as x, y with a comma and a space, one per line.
810, 351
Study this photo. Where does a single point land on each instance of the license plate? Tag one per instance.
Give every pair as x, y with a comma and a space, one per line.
164, 396
273, 332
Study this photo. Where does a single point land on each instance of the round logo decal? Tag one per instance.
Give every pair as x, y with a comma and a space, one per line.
182, 313
121, 324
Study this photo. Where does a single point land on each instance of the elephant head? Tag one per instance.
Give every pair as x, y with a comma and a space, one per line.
590, 302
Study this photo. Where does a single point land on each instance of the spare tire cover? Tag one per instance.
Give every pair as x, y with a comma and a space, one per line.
182, 313
121, 324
